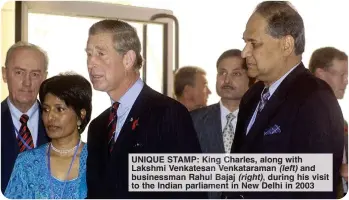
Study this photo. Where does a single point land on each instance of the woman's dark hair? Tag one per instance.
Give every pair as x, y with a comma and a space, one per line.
74, 90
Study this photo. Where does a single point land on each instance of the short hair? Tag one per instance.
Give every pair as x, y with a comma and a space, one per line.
232, 53
323, 57
185, 76
74, 90
125, 37
283, 19
235, 53
26, 45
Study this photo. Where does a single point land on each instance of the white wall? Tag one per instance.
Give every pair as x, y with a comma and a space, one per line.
208, 28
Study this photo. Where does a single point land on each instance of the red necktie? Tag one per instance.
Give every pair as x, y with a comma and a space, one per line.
24, 134
113, 118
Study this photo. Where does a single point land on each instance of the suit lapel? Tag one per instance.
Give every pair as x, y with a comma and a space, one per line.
273, 104
42, 136
214, 128
7, 127
139, 106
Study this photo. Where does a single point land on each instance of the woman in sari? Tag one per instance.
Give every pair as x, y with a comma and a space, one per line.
57, 170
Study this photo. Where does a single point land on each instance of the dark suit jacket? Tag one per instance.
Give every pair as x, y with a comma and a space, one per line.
310, 120
9, 145
164, 126
207, 123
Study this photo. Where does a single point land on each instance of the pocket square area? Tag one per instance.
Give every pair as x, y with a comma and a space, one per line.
273, 130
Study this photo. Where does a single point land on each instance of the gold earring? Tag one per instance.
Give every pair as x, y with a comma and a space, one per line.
79, 124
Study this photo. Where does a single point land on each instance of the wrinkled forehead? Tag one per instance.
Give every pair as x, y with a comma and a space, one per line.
27, 58
100, 40
255, 28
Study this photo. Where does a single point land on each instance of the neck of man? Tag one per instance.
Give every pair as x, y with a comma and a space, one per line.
66, 143
125, 85
231, 104
188, 103
23, 107
281, 71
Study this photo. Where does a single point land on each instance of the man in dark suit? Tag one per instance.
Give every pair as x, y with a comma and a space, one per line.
215, 124
331, 65
289, 110
25, 69
140, 119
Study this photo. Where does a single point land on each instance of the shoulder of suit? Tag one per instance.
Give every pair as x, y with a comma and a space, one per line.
4, 105
306, 84
101, 117
158, 100
200, 112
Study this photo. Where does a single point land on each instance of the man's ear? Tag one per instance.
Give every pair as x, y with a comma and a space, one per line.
45, 75
129, 59
288, 43
320, 73
4, 75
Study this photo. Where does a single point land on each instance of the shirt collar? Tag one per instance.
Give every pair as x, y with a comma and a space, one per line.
127, 100
225, 111
17, 113
276, 84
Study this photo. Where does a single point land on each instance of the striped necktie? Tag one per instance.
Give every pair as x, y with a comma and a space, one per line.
27, 140
264, 99
113, 118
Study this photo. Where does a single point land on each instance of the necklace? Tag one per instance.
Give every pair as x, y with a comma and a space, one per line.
64, 151
49, 168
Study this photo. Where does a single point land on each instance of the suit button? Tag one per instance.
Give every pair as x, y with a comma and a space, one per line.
242, 196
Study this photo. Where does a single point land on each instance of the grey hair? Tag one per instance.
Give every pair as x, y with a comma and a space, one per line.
283, 19
26, 45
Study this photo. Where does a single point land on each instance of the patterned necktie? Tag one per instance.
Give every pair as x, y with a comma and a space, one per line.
264, 98
24, 134
228, 133
113, 118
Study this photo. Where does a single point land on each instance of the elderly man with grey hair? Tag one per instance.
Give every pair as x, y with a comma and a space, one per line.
289, 110
21, 124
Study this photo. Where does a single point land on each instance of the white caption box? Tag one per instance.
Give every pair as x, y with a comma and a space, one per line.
230, 172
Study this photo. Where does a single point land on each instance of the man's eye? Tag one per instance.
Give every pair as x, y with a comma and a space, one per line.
101, 54
236, 74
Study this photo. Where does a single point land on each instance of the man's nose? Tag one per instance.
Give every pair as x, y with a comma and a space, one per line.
246, 52
27, 80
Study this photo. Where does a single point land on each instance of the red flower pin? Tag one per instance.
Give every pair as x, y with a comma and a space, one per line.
134, 124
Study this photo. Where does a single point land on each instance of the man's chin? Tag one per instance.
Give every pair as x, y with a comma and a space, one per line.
98, 87
252, 73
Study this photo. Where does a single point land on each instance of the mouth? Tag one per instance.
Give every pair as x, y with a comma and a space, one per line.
227, 87
249, 65
52, 128
94, 76
26, 91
